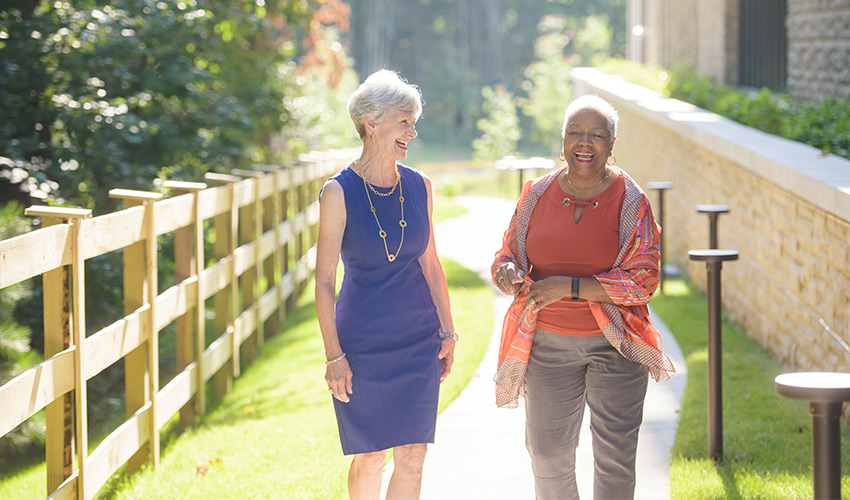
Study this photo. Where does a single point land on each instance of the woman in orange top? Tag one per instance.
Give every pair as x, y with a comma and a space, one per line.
581, 258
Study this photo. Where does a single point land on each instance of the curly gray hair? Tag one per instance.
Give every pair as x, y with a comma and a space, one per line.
382, 91
596, 103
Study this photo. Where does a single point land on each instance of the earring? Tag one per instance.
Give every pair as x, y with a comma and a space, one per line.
611, 160
561, 155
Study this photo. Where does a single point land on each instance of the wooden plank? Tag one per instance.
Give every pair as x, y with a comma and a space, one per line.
111, 232
312, 213
244, 193
115, 341
58, 212
287, 285
133, 194
246, 323
267, 245
175, 302
213, 201
218, 354
283, 180
215, 278
67, 490
173, 213
267, 187
268, 303
59, 413
176, 393
243, 259
286, 232
116, 449
35, 253
78, 330
183, 186
30, 391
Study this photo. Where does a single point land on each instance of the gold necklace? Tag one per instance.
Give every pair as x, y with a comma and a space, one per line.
590, 188
383, 234
391, 191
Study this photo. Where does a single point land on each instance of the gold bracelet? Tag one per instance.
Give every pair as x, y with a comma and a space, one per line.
332, 361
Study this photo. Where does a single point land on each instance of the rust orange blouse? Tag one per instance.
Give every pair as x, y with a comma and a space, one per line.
557, 246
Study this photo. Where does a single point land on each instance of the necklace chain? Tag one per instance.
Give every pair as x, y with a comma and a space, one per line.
590, 188
357, 166
383, 234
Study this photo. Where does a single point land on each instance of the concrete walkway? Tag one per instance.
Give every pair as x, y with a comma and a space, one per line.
480, 452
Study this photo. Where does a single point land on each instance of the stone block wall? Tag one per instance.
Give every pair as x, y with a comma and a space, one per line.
789, 218
818, 48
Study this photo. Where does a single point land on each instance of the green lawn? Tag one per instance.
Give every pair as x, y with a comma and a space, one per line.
274, 435
767, 438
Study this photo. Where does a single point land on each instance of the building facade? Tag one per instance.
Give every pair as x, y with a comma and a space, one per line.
798, 46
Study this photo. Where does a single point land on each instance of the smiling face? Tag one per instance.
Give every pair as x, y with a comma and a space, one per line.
587, 142
393, 134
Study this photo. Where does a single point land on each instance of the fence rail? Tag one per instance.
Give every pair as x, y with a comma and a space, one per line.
264, 222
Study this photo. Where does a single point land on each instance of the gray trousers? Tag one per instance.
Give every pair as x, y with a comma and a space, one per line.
563, 373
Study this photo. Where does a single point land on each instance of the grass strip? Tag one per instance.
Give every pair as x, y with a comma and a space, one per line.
767, 438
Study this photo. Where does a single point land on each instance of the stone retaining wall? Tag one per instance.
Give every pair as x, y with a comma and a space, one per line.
789, 218
818, 48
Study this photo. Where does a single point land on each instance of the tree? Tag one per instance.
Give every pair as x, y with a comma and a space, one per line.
99, 96
562, 44
500, 126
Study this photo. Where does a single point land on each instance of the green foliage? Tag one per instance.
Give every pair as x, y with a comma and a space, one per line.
500, 126
453, 48
101, 96
563, 42
651, 77
824, 125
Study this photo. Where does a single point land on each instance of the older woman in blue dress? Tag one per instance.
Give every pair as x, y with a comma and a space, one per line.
389, 338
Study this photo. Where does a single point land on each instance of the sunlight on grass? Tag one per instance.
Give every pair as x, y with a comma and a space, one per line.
767, 438
275, 435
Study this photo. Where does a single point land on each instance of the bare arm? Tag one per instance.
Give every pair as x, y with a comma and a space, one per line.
436, 279
332, 217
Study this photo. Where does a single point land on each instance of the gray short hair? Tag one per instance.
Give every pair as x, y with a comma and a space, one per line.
382, 91
596, 103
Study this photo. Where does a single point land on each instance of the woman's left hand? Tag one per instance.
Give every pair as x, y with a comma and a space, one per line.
446, 357
543, 292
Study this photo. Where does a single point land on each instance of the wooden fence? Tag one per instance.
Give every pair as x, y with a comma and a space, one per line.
264, 222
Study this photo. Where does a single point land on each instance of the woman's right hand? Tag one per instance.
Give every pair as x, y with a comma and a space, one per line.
508, 278
338, 376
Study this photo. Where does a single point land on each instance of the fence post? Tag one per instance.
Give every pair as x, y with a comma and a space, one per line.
272, 216
714, 262
252, 230
189, 262
149, 268
226, 241
58, 336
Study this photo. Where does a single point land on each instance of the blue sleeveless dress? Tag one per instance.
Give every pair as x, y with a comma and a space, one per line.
386, 320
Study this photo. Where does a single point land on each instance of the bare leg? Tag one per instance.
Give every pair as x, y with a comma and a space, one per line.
364, 477
406, 482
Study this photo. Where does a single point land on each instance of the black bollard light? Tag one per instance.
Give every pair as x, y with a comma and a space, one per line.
713, 212
661, 186
825, 392
713, 259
